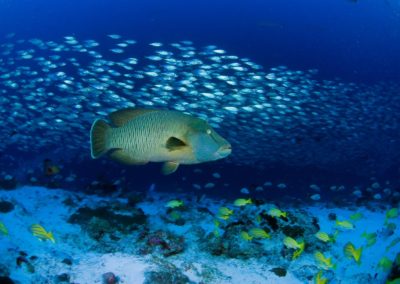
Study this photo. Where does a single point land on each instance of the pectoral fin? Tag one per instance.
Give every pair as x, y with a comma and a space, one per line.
122, 157
169, 167
174, 144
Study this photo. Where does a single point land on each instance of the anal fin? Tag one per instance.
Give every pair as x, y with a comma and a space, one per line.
169, 167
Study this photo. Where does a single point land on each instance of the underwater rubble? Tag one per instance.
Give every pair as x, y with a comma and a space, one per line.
184, 240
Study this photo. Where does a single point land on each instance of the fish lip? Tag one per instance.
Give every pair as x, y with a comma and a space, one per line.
224, 151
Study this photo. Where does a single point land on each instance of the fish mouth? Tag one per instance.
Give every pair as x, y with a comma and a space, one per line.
224, 151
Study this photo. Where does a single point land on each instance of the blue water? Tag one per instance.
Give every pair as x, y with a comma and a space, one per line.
358, 41
306, 92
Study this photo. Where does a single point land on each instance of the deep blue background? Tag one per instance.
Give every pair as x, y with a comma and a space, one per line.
357, 41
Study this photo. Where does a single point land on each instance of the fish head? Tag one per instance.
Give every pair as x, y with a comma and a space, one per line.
207, 144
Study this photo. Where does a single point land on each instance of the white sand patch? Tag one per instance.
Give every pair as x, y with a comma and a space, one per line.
91, 267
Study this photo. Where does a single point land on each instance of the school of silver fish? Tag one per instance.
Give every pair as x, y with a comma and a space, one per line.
52, 91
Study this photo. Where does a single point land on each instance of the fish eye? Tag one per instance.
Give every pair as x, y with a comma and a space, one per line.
208, 131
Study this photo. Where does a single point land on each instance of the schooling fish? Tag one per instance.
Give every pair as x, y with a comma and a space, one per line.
293, 244
344, 224
319, 279
351, 252
3, 229
139, 136
324, 237
41, 233
242, 202
259, 233
275, 212
174, 203
323, 261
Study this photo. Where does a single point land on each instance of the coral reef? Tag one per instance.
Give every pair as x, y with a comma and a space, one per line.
103, 220
166, 273
6, 206
160, 243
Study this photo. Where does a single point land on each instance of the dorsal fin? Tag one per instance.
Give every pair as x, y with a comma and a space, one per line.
120, 117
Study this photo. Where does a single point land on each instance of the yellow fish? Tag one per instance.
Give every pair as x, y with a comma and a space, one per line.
139, 136
351, 252
275, 212
356, 216
39, 232
370, 237
223, 217
392, 213
323, 261
322, 236
297, 253
293, 244
224, 213
245, 236
393, 243
174, 203
259, 233
3, 229
344, 224
385, 264
216, 226
242, 202
319, 279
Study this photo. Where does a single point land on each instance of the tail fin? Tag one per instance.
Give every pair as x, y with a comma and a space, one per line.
98, 135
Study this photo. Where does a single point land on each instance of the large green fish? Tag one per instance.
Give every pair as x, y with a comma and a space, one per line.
139, 136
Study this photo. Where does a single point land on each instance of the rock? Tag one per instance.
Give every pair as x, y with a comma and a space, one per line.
69, 202
395, 271
166, 274
271, 221
4, 270
110, 278
64, 277
6, 280
6, 206
110, 221
279, 271
97, 228
332, 217
293, 231
162, 242
231, 244
306, 273
67, 261
23, 261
